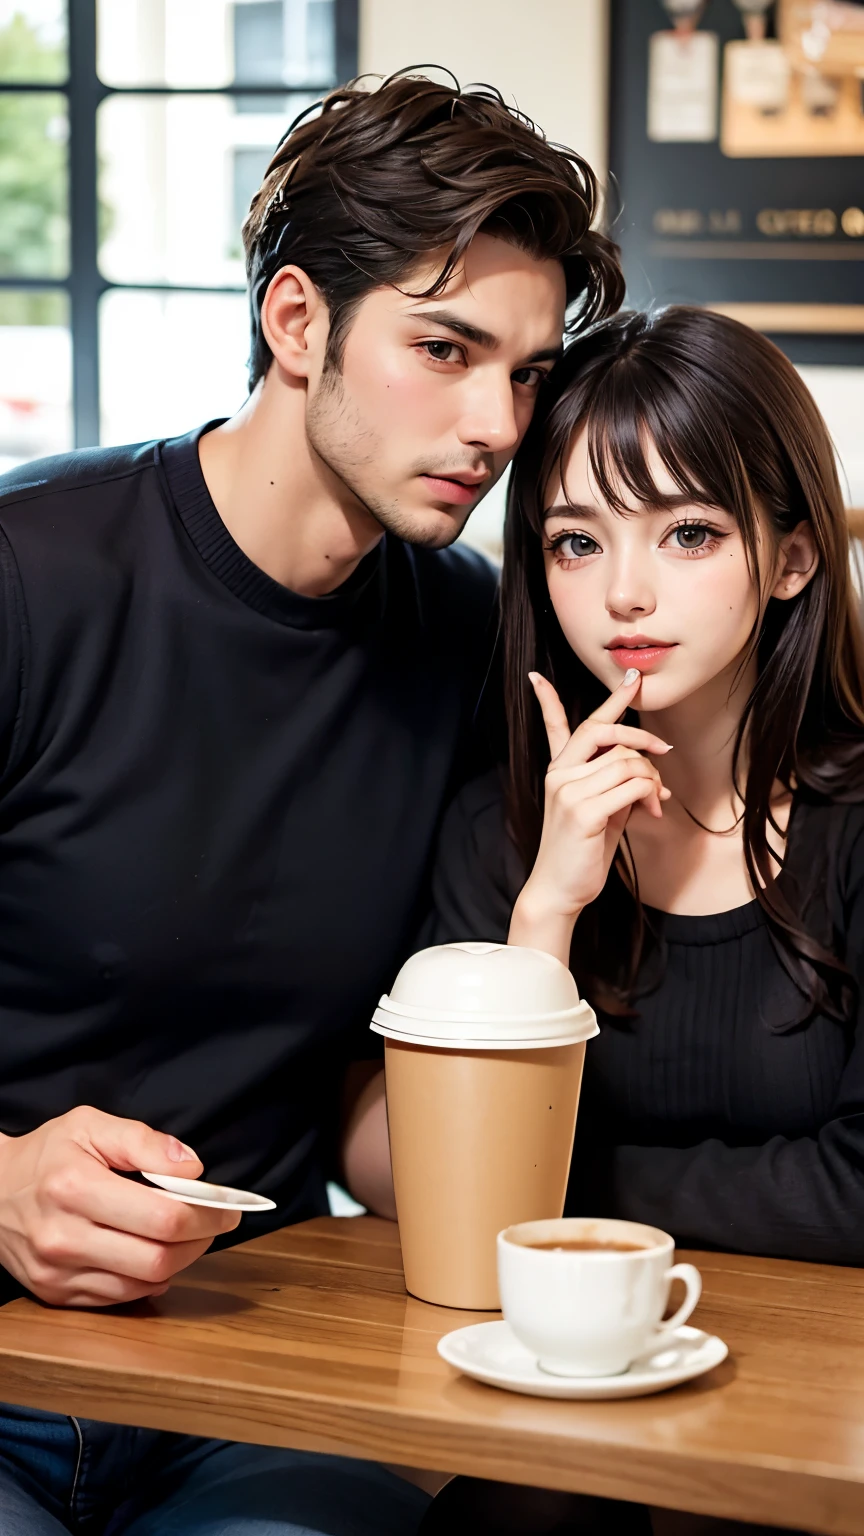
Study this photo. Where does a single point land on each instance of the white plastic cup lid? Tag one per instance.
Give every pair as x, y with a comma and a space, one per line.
480, 995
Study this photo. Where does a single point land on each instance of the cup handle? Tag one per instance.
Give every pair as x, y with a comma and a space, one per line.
693, 1281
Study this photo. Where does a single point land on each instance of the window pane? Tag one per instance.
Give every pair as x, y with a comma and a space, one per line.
170, 361
35, 376
33, 40
34, 230
176, 177
217, 42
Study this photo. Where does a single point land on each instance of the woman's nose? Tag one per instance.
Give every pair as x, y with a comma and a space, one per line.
629, 593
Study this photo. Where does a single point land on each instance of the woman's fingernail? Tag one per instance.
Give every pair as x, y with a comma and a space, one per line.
665, 794
631, 675
534, 677
179, 1152
667, 746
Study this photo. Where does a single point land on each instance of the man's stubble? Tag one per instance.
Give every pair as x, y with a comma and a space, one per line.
350, 448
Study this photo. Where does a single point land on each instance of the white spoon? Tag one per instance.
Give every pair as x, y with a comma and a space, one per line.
196, 1192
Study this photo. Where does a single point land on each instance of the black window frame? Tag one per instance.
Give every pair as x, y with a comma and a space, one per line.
84, 283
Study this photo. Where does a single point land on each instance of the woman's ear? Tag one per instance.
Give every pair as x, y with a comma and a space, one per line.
295, 321
797, 562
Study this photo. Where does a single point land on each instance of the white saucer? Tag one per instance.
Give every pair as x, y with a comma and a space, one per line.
196, 1192
491, 1352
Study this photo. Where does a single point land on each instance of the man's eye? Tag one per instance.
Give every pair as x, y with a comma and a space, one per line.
532, 377
442, 351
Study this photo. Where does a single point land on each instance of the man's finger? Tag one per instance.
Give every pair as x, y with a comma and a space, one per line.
94, 1192
553, 712
620, 698
96, 1288
130, 1145
74, 1243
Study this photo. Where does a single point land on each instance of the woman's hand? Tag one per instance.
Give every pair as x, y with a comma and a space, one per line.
596, 776
365, 1146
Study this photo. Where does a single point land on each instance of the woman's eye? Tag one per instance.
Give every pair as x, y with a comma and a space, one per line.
442, 351
692, 536
575, 546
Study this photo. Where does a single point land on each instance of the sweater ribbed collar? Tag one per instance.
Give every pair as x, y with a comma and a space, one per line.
361, 596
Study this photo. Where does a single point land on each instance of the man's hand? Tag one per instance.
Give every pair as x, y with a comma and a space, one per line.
77, 1235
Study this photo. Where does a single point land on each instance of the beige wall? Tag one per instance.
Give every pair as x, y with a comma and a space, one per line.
548, 55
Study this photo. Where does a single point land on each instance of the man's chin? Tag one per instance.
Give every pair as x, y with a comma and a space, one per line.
428, 528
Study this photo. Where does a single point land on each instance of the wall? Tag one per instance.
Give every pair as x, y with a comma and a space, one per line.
549, 56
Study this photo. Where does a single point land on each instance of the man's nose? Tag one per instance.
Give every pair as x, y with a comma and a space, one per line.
489, 417
630, 592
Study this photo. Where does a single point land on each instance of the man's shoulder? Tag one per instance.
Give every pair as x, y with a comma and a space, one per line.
63, 474
455, 585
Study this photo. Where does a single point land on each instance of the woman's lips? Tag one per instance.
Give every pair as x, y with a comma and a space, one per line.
454, 491
644, 657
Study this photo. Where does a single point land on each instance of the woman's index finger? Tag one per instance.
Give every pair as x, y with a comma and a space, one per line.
619, 699
553, 712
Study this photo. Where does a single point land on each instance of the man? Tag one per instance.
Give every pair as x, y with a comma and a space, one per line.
238, 681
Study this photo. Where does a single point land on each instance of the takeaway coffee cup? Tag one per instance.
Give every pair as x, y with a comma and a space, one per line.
483, 1047
587, 1296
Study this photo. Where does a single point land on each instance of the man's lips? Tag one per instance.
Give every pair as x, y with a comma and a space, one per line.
457, 489
638, 651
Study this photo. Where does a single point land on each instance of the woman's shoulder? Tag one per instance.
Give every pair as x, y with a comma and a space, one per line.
828, 835
819, 814
478, 872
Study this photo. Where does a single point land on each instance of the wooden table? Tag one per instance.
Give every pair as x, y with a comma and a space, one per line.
308, 1339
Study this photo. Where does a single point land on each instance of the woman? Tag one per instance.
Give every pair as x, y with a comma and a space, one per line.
693, 840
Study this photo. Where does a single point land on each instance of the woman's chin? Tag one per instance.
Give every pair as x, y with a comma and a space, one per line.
659, 690
658, 693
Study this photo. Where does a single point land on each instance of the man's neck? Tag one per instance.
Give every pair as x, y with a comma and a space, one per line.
287, 511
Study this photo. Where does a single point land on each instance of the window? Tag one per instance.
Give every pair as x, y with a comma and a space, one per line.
132, 136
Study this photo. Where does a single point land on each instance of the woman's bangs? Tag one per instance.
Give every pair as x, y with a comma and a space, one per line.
628, 433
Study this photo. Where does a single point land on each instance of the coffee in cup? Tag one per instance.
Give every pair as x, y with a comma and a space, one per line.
585, 1245
484, 1047
587, 1296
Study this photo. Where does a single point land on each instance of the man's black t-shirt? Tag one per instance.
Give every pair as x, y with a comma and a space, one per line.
217, 805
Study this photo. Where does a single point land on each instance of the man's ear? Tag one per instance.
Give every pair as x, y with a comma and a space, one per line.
797, 562
295, 321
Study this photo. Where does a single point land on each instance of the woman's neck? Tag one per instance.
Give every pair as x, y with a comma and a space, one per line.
683, 865
703, 730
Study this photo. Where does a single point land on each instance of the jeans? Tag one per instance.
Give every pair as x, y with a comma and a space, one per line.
61, 1474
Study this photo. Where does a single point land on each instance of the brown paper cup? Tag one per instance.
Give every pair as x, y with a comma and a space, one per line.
480, 1140
484, 1050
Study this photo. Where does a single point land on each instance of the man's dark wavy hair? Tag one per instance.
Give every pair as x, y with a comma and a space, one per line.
358, 193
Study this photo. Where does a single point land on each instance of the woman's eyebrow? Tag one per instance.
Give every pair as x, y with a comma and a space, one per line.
571, 509
668, 504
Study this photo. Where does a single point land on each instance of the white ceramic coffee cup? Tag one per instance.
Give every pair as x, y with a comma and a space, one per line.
590, 1312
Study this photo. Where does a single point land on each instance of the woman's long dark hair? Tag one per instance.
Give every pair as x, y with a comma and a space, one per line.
736, 428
